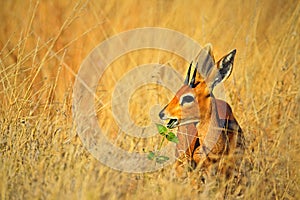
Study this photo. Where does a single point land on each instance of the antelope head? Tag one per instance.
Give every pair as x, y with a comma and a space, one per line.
192, 102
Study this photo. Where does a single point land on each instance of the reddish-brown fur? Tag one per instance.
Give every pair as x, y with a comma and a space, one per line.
207, 129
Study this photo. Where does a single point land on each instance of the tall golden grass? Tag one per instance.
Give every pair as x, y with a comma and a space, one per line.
42, 44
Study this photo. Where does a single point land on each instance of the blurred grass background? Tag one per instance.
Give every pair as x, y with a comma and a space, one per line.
42, 44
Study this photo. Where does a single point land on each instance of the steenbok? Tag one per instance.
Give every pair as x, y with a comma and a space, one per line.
209, 135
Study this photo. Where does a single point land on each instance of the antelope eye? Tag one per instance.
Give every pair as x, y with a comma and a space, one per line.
187, 99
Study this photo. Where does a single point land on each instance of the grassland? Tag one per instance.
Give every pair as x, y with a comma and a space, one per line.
43, 43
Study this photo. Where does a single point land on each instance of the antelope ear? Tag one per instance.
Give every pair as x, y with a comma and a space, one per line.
222, 70
208, 48
206, 61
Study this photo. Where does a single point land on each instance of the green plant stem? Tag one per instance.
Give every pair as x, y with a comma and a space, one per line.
161, 143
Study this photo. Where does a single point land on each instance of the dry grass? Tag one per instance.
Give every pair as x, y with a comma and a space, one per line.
42, 45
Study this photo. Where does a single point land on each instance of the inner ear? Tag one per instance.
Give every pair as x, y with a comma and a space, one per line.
206, 61
221, 71
209, 49
225, 65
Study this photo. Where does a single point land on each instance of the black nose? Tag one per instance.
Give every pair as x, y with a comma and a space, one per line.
161, 114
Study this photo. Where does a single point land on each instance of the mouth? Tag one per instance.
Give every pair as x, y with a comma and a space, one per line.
173, 122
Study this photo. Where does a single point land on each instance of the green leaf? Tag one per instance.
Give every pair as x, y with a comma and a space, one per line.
151, 155
161, 159
161, 129
172, 137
